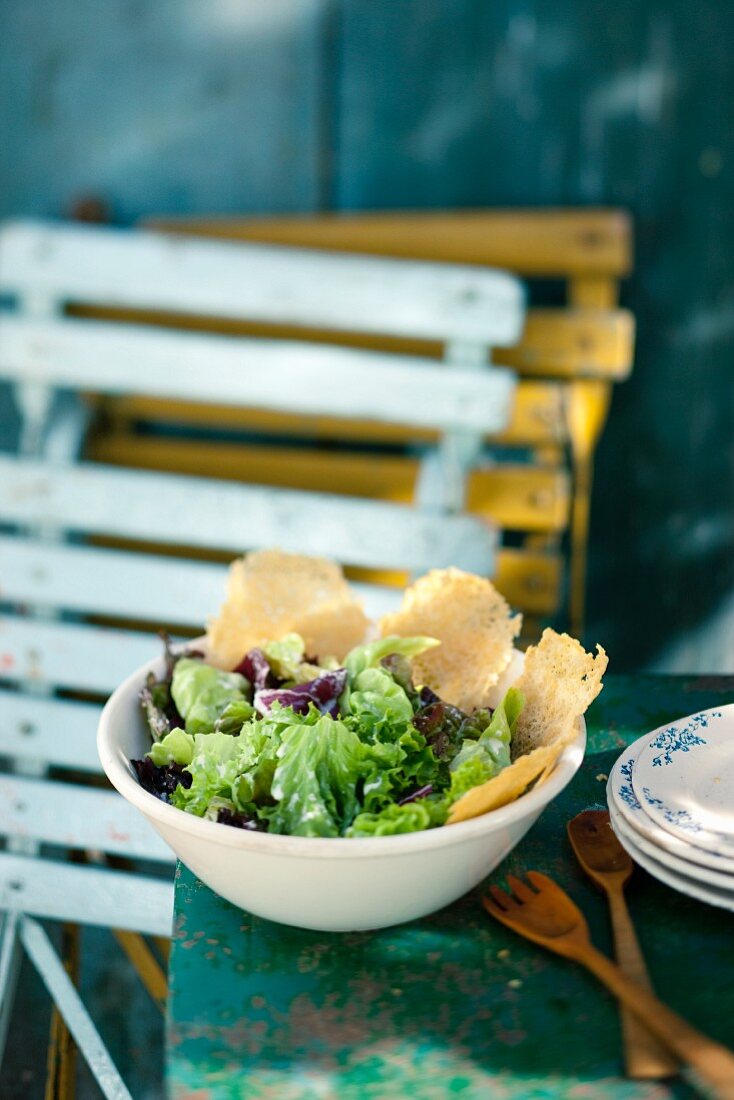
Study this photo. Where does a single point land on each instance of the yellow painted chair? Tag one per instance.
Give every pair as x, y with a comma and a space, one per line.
536, 481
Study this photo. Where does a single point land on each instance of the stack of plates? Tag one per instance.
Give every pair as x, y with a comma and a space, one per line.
671, 803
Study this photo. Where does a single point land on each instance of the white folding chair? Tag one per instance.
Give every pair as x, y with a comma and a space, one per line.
57, 662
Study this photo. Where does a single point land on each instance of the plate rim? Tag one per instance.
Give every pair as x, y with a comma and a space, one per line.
657, 836
679, 883
675, 863
657, 808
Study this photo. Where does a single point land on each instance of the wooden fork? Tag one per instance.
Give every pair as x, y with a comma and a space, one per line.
543, 913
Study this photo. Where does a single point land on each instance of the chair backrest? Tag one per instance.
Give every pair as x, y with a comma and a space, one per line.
94, 557
51, 505
537, 486
91, 557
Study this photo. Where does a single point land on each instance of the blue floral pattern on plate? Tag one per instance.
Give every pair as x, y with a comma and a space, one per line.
683, 775
681, 818
625, 790
681, 738
622, 794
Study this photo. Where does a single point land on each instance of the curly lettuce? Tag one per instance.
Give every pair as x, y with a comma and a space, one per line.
411, 817
202, 693
354, 751
371, 654
315, 779
492, 747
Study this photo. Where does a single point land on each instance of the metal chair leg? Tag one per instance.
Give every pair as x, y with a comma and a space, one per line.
10, 959
41, 953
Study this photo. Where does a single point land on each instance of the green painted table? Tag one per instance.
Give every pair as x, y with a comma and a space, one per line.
452, 1005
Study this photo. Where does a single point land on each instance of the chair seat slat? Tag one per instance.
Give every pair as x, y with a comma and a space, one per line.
57, 732
86, 895
202, 512
151, 271
72, 816
136, 586
87, 658
278, 375
145, 587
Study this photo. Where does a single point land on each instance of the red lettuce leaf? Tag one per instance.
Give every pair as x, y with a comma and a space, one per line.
323, 692
255, 668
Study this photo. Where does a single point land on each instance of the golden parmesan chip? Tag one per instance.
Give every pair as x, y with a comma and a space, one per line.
474, 625
332, 630
559, 681
507, 786
560, 742
271, 593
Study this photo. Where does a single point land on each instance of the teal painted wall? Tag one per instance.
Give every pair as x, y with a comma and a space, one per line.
183, 106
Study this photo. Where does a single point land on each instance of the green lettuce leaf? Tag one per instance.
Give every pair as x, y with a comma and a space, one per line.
378, 700
237, 768
288, 662
315, 781
491, 750
216, 804
382, 715
202, 693
370, 655
474, 771
286, 656
214, 767
234, 716
177, 747
258, 759
411, 817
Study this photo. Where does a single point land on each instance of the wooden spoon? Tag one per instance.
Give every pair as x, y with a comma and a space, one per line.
543, 913
609, 866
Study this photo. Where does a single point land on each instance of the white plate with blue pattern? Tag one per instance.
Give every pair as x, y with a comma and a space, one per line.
684, 778
621, 794
722, 899
721, 880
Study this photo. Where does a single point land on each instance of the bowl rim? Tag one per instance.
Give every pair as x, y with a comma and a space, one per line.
120, 773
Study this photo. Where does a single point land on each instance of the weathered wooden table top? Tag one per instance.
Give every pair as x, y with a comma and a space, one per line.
451, 1005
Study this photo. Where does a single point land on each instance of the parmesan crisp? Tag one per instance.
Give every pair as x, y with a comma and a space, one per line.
474, 625
271, 593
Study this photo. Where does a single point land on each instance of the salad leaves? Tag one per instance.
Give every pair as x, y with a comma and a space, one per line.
316, 777
289, 744
492, 747
323, 693
202, 692
371, 654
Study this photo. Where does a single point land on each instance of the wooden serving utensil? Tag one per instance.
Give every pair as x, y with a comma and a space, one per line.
609, 866
543, 913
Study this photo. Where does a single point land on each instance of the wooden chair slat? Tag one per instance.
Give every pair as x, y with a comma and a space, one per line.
208, 513
537, 418
591, 339
515, 496
532, 242
134, 586
148, 270
574, 343
86, 895
58, 732
530, 579
70, 655
278, 375
138, 587
72, 816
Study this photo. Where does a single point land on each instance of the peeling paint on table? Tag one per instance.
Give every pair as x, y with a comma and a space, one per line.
452, 1004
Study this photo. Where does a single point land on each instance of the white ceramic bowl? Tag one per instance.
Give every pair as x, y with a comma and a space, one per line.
330, 884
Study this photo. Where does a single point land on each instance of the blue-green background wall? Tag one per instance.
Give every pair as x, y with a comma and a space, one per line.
282, 105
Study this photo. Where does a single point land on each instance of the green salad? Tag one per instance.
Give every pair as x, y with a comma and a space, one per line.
285, 743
